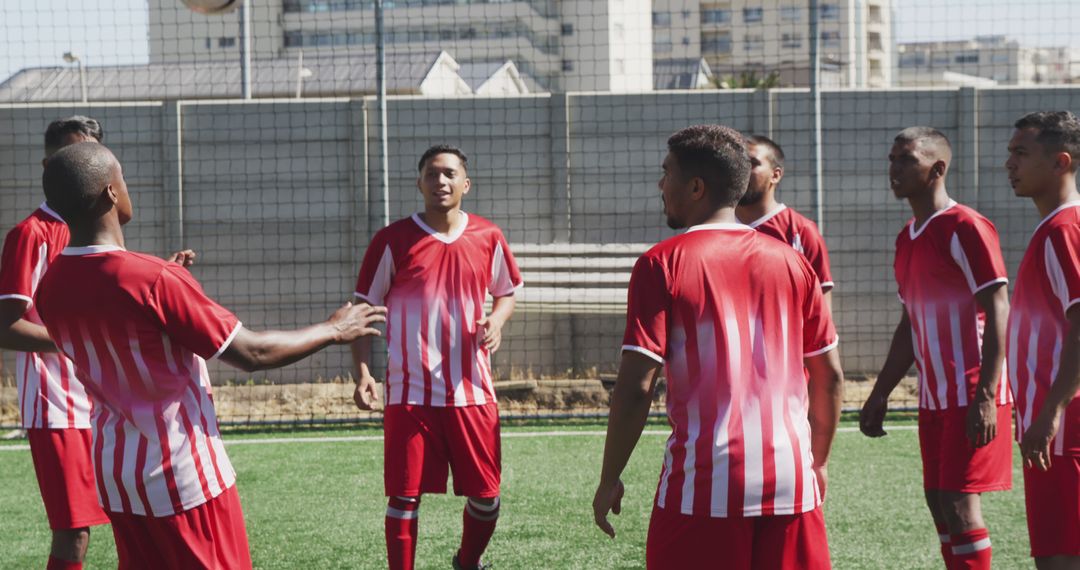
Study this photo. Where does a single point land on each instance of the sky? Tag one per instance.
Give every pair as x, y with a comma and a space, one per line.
103, 32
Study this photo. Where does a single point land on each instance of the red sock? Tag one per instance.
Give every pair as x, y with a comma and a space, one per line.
478, 526
946, 546
971, 550
61, 564
402, 521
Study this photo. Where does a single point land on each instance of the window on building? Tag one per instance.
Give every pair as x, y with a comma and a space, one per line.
292, 39
660, 19
664, 46
791, 41
874, 41
967, 57
567, 29
686, 14
208, 42
999, 58
791, 13
754, 42
830, 11
567, 65
751, 15
685, 41
830, 39
939, 60
226, 42
914, 59
716, 43
715, 16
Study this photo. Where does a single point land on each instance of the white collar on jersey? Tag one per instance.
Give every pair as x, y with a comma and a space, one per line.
90, 249
445, 238
1072, 204
720, 226
779, 208
45, 208
916, 233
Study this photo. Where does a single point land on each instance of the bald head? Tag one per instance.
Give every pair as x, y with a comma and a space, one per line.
929, 142
75, 178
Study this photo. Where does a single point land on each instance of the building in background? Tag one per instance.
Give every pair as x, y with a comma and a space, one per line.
565, 45
996, 59
738, 36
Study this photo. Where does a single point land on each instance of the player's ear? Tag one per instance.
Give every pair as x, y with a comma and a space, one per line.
111, 194
1063, 162
697, 188
777, 175
468, 186
938, 170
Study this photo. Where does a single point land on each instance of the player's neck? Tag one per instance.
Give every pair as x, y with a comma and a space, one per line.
719, 216
929, 204
753, 212
443, 222
1050, 201
97, 232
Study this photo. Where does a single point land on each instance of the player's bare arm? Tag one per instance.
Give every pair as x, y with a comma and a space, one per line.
630, 403
366, 394
982, 413
897, 363
825, 392
491, 325
1035, 445
252, 350
19, 334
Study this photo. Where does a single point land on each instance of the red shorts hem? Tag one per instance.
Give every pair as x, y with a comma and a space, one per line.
65, 476
951, 463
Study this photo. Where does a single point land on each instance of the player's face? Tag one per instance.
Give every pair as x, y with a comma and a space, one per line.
909, 170
1029, 166
673, 192
443, 183
763, 175
124, 210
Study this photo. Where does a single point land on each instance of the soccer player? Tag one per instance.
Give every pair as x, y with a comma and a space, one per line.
951, 281
1044, 335
433, 270
138, 330
759, 209
734, 316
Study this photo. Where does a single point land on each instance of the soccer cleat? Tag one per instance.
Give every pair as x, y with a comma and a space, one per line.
457, 565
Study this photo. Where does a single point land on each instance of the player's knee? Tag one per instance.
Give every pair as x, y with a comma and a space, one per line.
483, 508
962, 510
70, 544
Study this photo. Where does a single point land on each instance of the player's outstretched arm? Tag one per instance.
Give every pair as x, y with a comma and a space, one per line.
1035, 445
16, 333
982, 413
492, 324
897, 363
826, 394
252, 350
630, 403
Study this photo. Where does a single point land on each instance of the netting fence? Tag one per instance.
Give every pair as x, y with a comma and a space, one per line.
271, 166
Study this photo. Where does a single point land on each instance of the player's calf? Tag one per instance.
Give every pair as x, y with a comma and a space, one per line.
68, 548
402, 526
478, 524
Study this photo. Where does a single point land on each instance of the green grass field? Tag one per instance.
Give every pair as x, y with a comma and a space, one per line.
319, 504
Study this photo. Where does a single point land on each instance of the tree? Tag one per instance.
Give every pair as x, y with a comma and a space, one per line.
747, 80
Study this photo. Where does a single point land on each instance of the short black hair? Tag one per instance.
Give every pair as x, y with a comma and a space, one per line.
1059, 131
926, 136
717, 155
777, 152
58, 129
443, 149
74, 178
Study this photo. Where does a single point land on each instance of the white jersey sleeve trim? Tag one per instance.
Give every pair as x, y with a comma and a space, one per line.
380, 283
828, 285
29, 301
990, 283
364, 298
834, 344
228, 341
1072, 303
512, 291
645, 351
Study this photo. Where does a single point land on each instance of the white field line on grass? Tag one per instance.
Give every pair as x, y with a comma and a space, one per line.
505, 435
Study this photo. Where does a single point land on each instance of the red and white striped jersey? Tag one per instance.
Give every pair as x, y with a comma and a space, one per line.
794, 229
732, 314
1047, 285
49, 394
138, 329
434, 286
939, 268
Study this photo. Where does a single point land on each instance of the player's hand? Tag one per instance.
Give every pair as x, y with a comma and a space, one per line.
872, 416
982, 422
1035, 445
351, 322
184, 258
608, 498
822, 474
492, 331
366, 394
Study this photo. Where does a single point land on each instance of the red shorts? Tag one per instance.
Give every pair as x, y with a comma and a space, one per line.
65, 475
951, 463
742, 543
422, 443
1053, 507
211, 535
